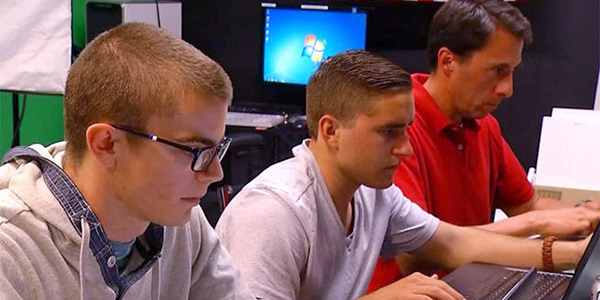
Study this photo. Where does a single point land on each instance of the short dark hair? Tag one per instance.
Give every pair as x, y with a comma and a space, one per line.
131, 73
463, 26
348, 83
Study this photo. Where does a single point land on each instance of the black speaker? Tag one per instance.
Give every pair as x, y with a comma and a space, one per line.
106, 14
244, 160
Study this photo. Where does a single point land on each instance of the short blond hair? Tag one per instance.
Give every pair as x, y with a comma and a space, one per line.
131, 73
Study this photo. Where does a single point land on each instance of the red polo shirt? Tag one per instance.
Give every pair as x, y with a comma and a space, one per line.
458, 172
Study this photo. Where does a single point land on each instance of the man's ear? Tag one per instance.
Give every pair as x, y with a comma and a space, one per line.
446, 61
101, 139
328, 130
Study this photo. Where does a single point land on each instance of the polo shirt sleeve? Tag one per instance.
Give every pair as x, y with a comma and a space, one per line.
513, 188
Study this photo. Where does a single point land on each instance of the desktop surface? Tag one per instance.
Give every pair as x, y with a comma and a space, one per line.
256, 120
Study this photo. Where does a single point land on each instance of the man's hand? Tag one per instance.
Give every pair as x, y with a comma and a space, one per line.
416, 286
564, 221
590, 204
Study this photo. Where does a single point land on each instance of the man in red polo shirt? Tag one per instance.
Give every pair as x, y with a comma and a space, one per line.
462, 168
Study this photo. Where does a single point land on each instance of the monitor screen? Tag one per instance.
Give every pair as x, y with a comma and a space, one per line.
297, 40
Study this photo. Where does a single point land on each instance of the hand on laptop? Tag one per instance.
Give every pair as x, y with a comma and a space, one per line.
416, 286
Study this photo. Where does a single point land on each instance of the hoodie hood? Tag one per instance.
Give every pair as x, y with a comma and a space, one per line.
28, 177
20, 175
53, 247
47, 192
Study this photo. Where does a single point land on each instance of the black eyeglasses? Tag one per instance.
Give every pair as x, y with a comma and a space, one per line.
203, 156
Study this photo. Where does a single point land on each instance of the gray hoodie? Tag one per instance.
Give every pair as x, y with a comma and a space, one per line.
56, 249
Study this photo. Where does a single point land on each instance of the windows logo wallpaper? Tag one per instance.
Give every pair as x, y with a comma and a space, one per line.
296, 41
313, 48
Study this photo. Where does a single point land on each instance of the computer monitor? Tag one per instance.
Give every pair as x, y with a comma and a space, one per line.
296, 40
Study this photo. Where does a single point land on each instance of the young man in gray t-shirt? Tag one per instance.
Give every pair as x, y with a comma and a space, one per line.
313, 226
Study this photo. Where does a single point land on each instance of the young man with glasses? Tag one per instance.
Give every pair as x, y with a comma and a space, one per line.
112, 212
313, 226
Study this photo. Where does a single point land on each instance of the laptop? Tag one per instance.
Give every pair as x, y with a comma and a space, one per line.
523, 289
484, 281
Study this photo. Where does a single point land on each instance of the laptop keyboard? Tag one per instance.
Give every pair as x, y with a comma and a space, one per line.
504, 283
545, 283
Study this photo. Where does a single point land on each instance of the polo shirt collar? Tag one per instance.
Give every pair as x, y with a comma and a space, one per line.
432, 113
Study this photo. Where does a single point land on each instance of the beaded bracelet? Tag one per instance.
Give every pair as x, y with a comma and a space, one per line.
547, 262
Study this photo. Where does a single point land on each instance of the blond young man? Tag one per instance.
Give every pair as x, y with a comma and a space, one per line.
112, 213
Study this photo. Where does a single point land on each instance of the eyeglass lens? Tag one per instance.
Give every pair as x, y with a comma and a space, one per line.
206, 157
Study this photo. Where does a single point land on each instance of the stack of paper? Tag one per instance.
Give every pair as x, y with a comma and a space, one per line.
568, 166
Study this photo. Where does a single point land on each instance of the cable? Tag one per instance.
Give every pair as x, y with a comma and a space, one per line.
157, 13
15, 139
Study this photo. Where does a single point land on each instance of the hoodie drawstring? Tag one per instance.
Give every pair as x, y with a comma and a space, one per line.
85, 241
155, 292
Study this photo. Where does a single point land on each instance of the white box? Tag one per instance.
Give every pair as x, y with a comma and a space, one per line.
566, 194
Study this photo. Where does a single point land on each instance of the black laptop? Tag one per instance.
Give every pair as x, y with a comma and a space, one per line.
523, 289
476, 281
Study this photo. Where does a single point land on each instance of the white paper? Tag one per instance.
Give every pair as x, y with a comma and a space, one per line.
569, 154
35, 45
583, 115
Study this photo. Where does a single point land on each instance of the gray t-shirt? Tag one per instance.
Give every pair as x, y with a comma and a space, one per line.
285, 235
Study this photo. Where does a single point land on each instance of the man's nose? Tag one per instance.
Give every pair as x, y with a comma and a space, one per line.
505, 87
404, 148
213, 173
